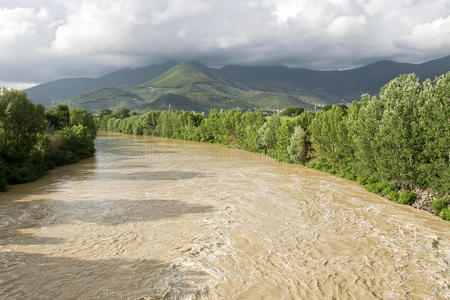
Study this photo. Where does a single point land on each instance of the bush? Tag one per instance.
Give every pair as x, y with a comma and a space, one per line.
347, 175
361, 180
439, 204
394, 195
407, 197
371, 179
371, 187
445, 214
387, 190
382, 187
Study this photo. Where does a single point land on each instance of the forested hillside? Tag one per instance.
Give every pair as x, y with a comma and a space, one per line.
34, 141
397, 144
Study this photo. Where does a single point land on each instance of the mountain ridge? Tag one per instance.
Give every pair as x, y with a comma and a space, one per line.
266, 87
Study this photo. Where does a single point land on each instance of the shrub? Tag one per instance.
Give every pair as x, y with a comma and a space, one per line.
361, 180
387, 190
332, 171
371, 187
439, 204
407, 197
371, 179
347, 175
394, 195
445, 214
382, 187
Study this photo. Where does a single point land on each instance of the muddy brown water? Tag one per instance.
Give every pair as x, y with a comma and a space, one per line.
152, 218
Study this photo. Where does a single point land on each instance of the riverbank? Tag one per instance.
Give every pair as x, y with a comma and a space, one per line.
393, 144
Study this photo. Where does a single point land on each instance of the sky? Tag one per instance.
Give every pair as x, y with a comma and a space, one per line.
43, 40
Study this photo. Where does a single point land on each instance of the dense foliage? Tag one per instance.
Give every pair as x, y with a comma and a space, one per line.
393, 143
34, 141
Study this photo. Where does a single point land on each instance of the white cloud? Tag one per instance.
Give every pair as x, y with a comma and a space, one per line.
16, 85
432, 36
344, 27
48, 39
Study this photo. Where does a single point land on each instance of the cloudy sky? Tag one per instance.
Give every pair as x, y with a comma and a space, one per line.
42, 40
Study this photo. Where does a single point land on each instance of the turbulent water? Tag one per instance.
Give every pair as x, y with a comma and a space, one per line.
151, 218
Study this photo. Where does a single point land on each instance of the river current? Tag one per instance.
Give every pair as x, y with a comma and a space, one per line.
153, 218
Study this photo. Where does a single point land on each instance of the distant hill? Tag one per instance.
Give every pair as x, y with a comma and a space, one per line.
334, 85
61, 90
112, 98
195, 86
175, 102
179, 76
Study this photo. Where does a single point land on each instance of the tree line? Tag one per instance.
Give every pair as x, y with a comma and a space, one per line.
34, 141
394, 143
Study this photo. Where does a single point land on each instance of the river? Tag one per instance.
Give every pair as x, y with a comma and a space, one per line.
153, 218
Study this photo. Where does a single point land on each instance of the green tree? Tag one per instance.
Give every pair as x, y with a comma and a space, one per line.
20, 122
397, 144
267, 134
330, 139
434, 128
122, 113
283, 137
297, 145
58, 116
292, 111
81, 117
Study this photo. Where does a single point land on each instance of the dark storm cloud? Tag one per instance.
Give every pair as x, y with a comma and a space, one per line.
44, 40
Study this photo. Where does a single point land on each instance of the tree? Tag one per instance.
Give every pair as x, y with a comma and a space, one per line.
297, 145
330, 139
122, 113
434, 126
104, 112
363, 121
283, 137
292, 111
81, 117
58, 116
267, 134
398, 145
20, 122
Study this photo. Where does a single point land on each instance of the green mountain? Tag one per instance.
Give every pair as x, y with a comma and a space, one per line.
61, 90
112, 98
175, 102
195, 86
179, 76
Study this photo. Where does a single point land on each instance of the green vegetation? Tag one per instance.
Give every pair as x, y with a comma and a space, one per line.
407, 197
440, 207
393, 143
112, 98
292, 111
179, 76
34, 141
